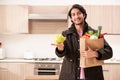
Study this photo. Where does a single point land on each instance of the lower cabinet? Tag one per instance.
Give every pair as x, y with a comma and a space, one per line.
111, 71
16, 71
3, 71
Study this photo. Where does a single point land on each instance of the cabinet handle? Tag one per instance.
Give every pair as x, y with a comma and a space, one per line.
106, 70
47, 71
3, 69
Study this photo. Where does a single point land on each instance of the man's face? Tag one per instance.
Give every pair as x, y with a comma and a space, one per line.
77, 16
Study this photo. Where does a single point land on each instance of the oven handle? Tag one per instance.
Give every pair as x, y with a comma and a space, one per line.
47, 70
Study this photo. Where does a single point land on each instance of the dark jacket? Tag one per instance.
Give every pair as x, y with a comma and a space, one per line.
70, 68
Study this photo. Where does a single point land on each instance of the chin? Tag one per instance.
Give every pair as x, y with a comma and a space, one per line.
78, 23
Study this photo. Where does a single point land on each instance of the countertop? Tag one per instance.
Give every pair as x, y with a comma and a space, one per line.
42, 77
20, 60
28, 61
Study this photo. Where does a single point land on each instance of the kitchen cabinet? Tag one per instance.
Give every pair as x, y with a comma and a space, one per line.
47, 19
3, 71
105, 15
13, 19
111, 71
16, 71
116, 19
48, 16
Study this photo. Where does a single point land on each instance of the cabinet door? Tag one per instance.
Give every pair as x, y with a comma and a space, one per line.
2, 18
13, 19
18, 71
111, 71
115, 72
28, 69
3, 71
116, 19
100, 15
106, 72
15, 71
106, 16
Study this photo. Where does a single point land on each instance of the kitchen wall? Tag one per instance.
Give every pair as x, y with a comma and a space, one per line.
113, 41
16, 45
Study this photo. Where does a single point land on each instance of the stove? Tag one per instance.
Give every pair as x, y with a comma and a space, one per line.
47, 59
44, 59
47, 66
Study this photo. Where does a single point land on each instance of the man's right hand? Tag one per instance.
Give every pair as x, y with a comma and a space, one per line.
60, 46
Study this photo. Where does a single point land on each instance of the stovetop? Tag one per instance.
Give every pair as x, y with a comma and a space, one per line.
47, 59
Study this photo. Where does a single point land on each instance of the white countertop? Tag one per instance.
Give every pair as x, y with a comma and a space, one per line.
28, 61
33, 61
111, 61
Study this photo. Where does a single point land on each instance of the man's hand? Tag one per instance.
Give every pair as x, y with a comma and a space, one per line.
60, 46
89, 53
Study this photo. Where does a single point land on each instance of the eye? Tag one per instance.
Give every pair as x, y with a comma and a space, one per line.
79, 13
73, 14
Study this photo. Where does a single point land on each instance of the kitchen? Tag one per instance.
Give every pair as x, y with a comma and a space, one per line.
30, 28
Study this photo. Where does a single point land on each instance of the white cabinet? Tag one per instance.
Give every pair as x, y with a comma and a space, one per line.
13, 19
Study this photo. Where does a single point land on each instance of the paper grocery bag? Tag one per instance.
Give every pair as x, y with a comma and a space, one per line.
94, 44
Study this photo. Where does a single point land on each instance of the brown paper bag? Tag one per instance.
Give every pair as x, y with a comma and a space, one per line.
94, 44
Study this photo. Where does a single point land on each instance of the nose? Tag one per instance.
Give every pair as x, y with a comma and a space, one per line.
76, 16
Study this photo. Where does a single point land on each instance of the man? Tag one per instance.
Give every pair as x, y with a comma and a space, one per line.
69, 49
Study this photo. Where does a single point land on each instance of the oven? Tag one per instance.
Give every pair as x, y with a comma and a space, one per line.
45, 68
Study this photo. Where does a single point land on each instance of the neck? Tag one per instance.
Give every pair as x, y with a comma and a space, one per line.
79, 27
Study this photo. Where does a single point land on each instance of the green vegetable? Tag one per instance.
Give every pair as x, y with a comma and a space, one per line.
99, 31
90, 32
95, 34
59, 39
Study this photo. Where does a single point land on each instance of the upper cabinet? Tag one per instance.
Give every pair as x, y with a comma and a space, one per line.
13, 19
106, 16
53, 19
116, 19
48, 16
47, 19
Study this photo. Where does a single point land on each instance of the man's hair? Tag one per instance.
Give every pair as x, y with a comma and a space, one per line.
81, 8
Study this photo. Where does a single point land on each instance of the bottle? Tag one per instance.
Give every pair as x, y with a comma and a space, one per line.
2, 52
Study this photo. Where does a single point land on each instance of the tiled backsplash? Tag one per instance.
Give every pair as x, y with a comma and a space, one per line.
16, 45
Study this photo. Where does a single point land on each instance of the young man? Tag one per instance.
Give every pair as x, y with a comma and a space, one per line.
70, 48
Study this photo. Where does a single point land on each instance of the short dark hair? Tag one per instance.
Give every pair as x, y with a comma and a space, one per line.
81, 8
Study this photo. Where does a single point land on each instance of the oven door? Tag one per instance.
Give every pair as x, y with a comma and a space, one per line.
46, 71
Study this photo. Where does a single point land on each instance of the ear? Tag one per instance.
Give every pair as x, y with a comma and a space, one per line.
70, 19
84, 16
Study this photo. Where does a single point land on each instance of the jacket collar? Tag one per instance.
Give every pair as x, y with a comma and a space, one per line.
72, 29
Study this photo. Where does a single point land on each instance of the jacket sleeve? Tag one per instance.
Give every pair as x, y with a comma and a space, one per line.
106, 52
60, 53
